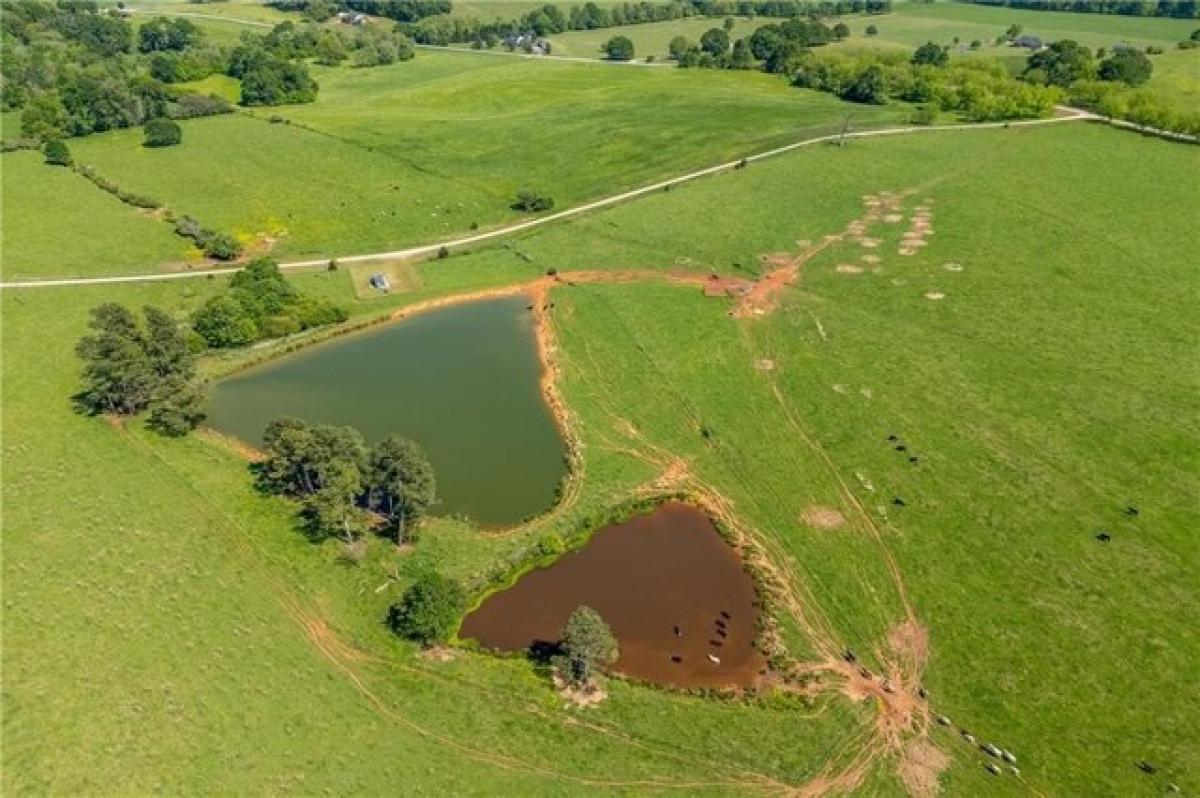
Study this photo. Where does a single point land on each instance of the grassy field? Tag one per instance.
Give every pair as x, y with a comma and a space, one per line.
423, 150
913, 24
57, 223
1041, 394
234, 10
649, 39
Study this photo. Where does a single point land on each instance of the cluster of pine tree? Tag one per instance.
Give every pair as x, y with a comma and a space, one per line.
131, 366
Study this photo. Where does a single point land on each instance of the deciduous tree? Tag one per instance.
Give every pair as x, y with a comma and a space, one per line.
618, 48
587, 644
429, 610
400, 483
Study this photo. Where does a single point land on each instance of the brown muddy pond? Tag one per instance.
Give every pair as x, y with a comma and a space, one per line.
673, 592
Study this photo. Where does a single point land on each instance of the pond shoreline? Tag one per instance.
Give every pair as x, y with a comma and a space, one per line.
654, 564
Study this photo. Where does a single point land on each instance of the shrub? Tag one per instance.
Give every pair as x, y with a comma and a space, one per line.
190, 106
618, 48
925, 115
532, 202
187, 227
1127, 66
280, 326
222, 246
715, 41
679, 45
223, 322
162, 133
931, 54
872, 30
57, 153
429, 610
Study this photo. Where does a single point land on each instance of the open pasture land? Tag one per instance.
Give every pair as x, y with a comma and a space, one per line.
426, 149
1034, 352
57, 223
913, 24
651, 38
235, 10
503, 9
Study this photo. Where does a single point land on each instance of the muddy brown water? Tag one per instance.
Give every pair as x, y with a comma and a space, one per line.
657, 572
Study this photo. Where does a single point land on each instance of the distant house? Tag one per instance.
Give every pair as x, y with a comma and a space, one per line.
349, 18
379, 281
1028, 42
529, 41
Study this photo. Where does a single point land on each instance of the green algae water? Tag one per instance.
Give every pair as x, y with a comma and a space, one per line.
462, 381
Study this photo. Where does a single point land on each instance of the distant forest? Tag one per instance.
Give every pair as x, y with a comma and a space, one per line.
1183, 9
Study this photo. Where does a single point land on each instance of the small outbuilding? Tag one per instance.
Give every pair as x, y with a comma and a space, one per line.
379, 281
1028, 42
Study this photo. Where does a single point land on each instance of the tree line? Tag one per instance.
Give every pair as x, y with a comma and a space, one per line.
1186, 9
551, 19
977, 90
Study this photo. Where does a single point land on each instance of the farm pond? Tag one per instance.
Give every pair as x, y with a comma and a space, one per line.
462, 381
675, 595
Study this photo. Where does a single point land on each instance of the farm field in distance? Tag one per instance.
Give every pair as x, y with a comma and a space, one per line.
421, 150
937, 389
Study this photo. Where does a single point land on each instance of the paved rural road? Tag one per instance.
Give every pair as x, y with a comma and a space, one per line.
1070, 115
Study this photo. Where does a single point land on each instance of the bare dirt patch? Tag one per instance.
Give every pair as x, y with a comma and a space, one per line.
935, 296
822, 517
952, 267
921, 762
588, 695
848, 268
872, 259
438, 654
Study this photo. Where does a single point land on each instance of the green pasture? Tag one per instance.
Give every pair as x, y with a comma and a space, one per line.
651, 38
168, 630
913, 24
427, 149
57, 223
